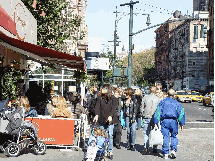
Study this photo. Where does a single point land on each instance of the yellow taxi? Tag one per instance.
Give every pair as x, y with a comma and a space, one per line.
195, 96
182, 96
207, 98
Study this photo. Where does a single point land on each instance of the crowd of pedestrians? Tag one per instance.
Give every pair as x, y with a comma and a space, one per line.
111, 106
113, 109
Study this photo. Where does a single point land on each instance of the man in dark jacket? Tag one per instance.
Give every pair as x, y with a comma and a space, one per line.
169, 112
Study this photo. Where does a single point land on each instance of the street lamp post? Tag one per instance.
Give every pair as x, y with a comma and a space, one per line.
131, 4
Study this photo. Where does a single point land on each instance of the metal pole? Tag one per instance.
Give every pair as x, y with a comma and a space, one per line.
114, 61
130, 47
130, 40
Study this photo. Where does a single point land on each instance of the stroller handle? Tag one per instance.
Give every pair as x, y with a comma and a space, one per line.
4, 116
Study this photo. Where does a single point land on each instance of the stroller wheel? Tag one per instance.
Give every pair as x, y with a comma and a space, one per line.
12, 150
40, 148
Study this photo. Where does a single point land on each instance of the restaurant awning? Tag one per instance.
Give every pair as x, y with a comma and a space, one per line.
43, 55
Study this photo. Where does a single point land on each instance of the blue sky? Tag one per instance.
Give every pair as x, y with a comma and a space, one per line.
100, 20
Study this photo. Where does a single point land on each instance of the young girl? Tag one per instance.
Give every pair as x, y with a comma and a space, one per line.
96, 144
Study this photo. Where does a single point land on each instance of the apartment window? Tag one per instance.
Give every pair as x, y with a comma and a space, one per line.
194, 63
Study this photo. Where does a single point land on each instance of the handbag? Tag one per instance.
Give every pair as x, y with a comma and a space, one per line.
156, 137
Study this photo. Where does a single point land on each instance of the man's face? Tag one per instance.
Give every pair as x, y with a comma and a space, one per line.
104, 90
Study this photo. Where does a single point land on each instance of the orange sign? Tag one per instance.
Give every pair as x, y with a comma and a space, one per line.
54, 131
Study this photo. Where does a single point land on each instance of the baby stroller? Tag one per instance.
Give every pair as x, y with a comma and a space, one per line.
97, 147
19, 136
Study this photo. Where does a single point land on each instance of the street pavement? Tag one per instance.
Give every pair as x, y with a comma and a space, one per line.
196, 142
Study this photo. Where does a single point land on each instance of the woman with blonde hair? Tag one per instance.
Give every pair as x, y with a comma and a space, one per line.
28, 111
61, 110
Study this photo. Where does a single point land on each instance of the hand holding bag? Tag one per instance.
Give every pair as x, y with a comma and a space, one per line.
156, 137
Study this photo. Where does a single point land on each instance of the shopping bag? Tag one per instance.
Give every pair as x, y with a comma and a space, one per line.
122, 119
156, 137
91, 153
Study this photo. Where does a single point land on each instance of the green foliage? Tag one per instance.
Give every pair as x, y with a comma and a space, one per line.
143, 67
79, 76
9, 85
55, 27
93, 80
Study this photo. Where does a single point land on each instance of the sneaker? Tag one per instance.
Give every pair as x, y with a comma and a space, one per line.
145, 151
172, 154
132, 148
128, 147
165, 156
118, 146
155, 151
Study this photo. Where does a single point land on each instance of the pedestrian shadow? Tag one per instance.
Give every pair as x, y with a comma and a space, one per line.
139, 148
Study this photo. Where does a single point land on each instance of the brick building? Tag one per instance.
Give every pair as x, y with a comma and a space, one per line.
162, 46
210, 44
78, 7
188, 54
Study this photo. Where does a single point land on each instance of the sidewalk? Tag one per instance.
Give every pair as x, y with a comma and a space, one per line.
194, 144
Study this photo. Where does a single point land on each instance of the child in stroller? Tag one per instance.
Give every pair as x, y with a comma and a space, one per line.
19, 135
97, 145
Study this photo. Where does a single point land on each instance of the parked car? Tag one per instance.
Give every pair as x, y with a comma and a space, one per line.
195, 96
182, 96
212, 100
207, 98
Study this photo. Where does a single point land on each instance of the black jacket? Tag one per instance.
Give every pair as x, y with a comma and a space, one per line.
139, 102
132, 109
105, 108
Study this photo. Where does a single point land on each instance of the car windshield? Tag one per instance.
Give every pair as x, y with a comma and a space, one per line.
181, 93
194, 93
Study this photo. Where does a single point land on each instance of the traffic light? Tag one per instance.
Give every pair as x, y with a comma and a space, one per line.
125, 72
195, 32
117, 72
203, 32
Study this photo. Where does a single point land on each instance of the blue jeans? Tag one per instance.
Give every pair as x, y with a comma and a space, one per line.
131, 131
148, 126
109, 129
139, 123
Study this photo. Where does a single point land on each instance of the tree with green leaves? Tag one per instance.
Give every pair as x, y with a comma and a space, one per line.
9, 81
53, 24
143, 64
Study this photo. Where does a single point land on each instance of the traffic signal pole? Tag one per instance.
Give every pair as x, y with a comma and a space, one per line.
131, 34
131, 4
115, 41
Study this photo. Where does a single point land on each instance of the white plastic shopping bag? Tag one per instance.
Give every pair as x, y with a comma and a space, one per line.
91, 153
156, 137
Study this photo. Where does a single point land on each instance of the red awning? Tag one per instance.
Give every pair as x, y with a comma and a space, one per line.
50, 56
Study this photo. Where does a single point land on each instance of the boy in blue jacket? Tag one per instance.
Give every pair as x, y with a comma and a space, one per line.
169, 112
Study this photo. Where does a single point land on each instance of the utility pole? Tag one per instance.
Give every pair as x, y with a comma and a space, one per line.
131, 4
115, 44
